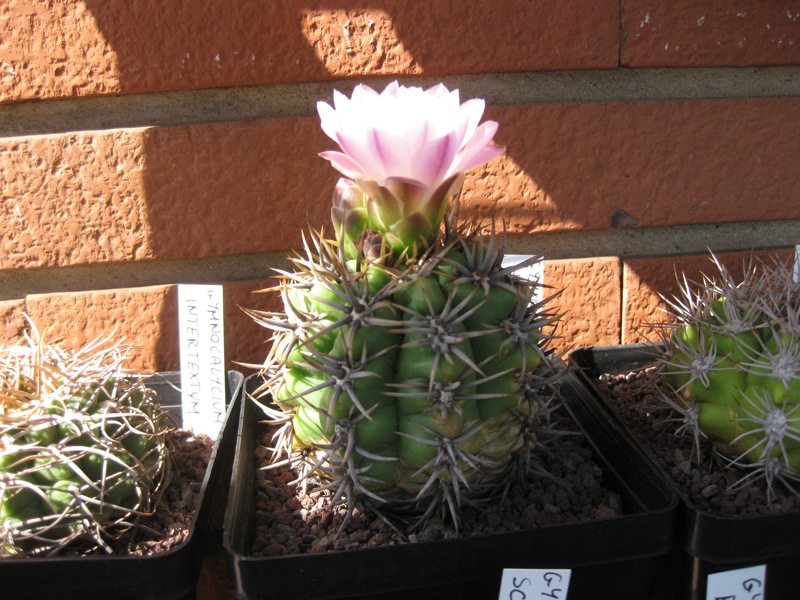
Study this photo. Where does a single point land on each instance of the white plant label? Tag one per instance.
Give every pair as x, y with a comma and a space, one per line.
797, 263
534, 584
202, 347
533, 272
739, 584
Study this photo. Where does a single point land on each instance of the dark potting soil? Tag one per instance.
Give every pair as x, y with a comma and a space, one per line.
289, 521
702, 474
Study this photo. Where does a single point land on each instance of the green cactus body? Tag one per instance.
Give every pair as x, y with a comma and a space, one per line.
424, 397
733, 352
78, 460
408, 362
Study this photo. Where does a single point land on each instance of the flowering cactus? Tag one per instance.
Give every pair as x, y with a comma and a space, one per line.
408, 364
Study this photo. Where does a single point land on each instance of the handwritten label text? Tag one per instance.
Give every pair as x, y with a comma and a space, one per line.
739, 584
534, 584
202, 343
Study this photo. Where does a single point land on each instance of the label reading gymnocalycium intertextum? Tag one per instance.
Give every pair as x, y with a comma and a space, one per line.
534, 584
202, 351
738, 584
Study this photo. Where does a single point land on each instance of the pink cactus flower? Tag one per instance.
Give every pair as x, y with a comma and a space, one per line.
407, 149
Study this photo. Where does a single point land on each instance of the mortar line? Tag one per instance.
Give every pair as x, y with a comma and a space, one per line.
47, 117
624, 243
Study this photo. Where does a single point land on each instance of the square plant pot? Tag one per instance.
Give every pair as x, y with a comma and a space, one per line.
170, 575
608, 558
711, 544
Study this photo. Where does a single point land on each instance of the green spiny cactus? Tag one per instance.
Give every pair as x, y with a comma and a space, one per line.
417, 384
733, 362
82, 450
409, 365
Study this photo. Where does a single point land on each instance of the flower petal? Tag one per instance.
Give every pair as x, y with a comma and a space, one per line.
407, 148
471, 112
329, 119
440, 91
345, 164
478, 149
432, 163
391, 152
361, 148
390, 90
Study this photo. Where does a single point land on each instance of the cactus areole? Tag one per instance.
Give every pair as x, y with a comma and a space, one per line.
408, 365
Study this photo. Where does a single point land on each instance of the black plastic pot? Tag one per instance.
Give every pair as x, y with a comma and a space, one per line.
613, 558
710, 543
168, 576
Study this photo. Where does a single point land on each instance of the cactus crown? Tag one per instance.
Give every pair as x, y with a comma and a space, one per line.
732, 363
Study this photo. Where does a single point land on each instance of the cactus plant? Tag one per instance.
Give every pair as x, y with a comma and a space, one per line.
410, 367
82, 448
732, 365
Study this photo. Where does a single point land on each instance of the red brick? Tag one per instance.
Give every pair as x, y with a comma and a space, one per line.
66, 48
173, 192
589, 297
246, 342
583, 166
147, 319
686, 33
245, 187
72, 199
12, 322
647, 280
144, 318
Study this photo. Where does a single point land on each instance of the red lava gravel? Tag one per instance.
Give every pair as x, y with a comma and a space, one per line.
703, 479
291, 522
169, 526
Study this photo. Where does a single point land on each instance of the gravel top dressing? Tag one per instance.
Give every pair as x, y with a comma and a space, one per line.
568, 490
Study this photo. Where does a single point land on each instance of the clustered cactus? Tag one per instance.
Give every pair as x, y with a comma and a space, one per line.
733, 362
409, 365
83, 451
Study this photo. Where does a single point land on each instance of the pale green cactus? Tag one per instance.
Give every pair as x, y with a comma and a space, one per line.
733, 363
408, 363
83, 451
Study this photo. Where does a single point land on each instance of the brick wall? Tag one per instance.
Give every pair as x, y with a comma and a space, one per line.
146, 147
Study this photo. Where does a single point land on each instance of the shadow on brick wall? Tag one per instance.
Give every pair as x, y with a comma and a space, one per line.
645, 279
226, 189
196, 44
223, 188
